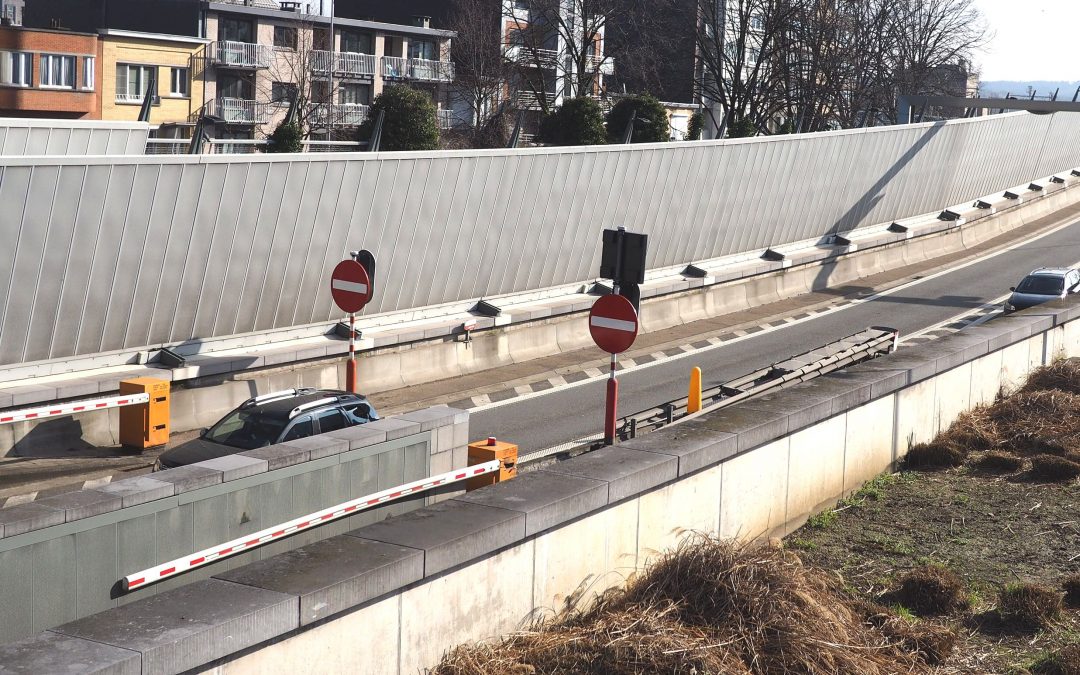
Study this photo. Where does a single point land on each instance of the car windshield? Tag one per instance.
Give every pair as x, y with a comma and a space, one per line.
246, 429
1041, 285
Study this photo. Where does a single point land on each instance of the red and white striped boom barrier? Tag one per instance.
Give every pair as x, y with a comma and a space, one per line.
12, 416
256, 539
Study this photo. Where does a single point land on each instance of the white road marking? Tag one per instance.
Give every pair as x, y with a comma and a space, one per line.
594, 374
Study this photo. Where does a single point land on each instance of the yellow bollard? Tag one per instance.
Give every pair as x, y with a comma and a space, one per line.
693, 401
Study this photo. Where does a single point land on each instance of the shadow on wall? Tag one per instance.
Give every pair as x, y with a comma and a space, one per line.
875, 194
59, 437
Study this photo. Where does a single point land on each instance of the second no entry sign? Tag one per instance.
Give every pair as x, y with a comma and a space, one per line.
613, 323
350, 286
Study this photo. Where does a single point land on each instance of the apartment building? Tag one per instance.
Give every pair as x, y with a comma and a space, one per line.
11, 12
48, 73
130, 61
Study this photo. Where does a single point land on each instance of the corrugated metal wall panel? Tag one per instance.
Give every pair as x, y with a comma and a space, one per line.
131, 252
20, 136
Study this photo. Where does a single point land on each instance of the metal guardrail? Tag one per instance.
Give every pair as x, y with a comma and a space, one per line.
861, 346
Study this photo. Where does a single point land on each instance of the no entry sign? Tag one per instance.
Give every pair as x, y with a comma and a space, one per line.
350, 286
613, 323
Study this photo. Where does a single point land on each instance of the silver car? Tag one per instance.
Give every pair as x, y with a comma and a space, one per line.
1044, 283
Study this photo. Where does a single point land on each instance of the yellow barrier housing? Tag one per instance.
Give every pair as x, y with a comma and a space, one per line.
145, 426
693, 400
487, 450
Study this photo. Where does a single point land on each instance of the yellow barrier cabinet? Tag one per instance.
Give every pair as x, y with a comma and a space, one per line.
147, 425
487, 450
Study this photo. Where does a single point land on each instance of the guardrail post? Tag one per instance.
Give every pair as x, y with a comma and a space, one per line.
145, 425
485, 451
693, 400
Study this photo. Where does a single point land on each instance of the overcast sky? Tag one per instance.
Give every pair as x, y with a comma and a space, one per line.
1035, 39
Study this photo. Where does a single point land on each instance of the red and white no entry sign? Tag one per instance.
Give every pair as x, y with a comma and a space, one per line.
613, 323
350, 286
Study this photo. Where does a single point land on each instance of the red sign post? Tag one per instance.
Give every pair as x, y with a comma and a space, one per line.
613, 323
351, 290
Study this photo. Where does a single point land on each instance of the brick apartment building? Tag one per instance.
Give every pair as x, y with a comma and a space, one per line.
48, 73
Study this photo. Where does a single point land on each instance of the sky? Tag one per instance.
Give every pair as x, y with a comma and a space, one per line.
1034, 40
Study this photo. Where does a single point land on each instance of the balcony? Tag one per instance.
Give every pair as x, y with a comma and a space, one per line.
229, 54
239, 111
345, 64
528, 100
447, 119
543, 58
422, 70
135, 98
605, 67
338, 114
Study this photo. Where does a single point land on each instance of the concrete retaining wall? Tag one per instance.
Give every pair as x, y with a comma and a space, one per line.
62, 557
393, 596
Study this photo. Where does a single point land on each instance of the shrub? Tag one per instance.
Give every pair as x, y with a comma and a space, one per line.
936, 454
998, 461
1053, 468
578, 121
741, 128
650, 120
1071, 586
1028, 606
931, 589
694, 126
286, 138
410, 122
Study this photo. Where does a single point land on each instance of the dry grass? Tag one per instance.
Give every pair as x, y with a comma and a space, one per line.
712, 607
931, 589
1054, 469
1065, 661
1028, 606
1071, 586
941, 453
1061, 375
998, 461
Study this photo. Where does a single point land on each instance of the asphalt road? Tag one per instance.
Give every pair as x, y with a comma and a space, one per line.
565, 414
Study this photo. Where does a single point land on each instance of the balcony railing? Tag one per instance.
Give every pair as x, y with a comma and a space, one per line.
338, 114
135, 98
396, 67
528, 100
447, 119
239, 54
543, 58
605, 66
239, 110
343, 63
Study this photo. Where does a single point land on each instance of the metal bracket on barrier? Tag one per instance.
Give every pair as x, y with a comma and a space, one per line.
1057, 179
980, 204
601, 288
168, 358
485, 308
1035, 187
278, 532
772, 256
898, 228
950, 215
840, 240
1009, 194
341, 329
695, 272
1075, 172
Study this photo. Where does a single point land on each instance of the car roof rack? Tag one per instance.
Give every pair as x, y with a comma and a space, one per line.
313, 404
275, 395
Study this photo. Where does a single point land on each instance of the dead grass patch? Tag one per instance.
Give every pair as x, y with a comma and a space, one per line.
1071, 586
931, 589
1064, 661
1028, 606
1054, 469
997, 461
937, 454
1062, 375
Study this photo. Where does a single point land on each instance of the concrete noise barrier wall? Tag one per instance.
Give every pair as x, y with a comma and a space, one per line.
123, 252
62, 557
393, 596
20, 136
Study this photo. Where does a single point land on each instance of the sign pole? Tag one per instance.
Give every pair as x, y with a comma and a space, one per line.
350, 367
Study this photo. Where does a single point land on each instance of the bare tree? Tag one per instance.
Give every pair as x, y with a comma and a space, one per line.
481, 70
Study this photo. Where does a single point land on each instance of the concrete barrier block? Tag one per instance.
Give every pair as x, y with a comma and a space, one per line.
546, 499
81, 503
1003, 331
234, 467
430, 626
953, 394
431, 418
51, 652
696, 501
869, 443
815, 469
444, 439
190, 477
26, 517
802, 408
1070, 340
450, 533
627, 472
395, 427
695, 446
138, 490
752, 427
325, 445
844, 389
278, 456
916, 416
191, 625
461, 434
1016, 363
959, 348
753, 493
920, 361
985, 379
354, 438
333, 575
1061, 311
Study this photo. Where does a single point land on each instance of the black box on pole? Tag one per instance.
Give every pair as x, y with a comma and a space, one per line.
631, 261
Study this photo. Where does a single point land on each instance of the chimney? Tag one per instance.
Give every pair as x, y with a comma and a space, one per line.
422, 21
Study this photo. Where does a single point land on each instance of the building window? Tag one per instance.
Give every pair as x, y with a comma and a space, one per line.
88, 72
423, 49
235, 30
132, 81
57, 71
357, 43
282, 92
358, 94
179, 83
285, 36
16, 68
